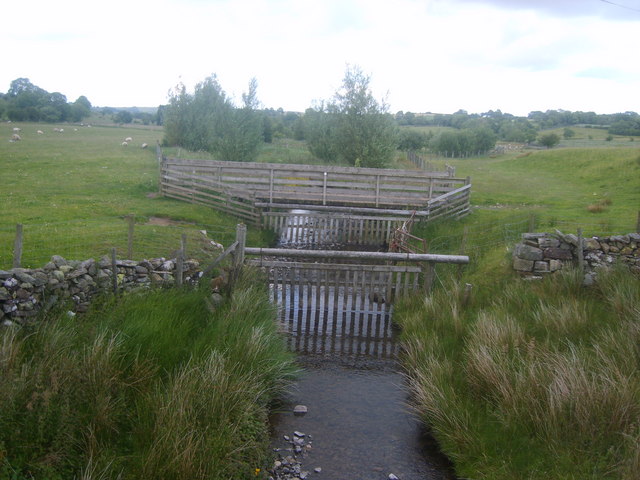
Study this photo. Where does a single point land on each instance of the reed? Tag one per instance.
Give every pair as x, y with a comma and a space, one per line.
537, 381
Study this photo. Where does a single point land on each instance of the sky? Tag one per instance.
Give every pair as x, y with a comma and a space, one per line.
421, 55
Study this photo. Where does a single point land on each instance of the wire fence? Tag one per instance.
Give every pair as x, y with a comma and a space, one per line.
94, 238
155, 238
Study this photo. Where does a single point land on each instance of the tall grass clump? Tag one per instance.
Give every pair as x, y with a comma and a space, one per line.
530, 380
153, 385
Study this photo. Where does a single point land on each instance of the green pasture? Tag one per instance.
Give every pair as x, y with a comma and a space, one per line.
72, 190
560, 185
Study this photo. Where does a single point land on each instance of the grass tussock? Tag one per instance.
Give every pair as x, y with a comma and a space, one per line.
152, 386
538, 381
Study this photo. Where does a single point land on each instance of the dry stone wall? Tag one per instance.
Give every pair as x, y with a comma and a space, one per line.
25, 292
543, 253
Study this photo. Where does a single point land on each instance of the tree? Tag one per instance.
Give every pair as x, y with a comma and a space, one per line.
353, 126
123, 116
412, 140
208, 120
568, 133
320, 133
80, 109
365, 130
549, 140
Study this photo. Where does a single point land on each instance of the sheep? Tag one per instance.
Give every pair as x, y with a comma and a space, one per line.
40, 132
125, 143
16, 130
145, 145
15, 137
128, 139
208, 243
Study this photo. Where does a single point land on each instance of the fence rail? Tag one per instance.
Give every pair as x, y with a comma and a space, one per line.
33, 244
304, 184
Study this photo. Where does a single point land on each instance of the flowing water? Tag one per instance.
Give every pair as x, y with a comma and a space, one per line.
358, 424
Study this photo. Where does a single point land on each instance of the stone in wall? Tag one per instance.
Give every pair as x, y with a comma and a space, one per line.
542, 253
25, 292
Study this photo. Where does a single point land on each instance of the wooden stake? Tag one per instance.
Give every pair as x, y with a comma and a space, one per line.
17, 247
130, 222
580, 251
114, 272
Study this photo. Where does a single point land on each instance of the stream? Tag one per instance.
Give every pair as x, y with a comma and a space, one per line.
347, 417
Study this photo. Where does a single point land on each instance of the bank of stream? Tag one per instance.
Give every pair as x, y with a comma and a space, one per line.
348, 417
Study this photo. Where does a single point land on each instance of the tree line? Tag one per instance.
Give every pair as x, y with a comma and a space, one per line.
352, 127
26, 102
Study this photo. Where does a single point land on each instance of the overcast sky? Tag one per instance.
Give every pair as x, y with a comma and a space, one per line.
422, 55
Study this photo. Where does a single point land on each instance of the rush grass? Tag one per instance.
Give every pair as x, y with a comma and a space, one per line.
150, 386
529, 380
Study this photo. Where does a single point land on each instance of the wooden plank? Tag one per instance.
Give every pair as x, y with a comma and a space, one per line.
391, 256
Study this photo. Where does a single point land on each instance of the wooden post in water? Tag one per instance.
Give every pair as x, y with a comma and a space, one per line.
130, 221
17, 247
114, 272
324, 189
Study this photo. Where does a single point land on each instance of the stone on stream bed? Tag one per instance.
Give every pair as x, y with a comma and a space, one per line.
288, 465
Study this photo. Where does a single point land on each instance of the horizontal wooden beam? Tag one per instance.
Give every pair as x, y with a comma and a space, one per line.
331, 254
347, 210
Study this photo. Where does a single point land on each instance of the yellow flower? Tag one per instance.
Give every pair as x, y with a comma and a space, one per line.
257, 471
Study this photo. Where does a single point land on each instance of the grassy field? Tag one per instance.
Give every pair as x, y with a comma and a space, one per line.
530, 380
72, 190
525, 381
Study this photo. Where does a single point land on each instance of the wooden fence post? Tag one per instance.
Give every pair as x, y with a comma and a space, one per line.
532, 223
179, 268
241, 238
114, 272
466, 294
238, 255
17, 247
130, 223
580, 251
183, 246
429, 276
638, 223
463, 247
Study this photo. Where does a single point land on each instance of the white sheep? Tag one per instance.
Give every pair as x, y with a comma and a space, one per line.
145, 145
17, 130
40, 132
128, 139
15, 137
125, 143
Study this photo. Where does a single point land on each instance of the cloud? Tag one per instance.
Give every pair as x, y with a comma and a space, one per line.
622, 10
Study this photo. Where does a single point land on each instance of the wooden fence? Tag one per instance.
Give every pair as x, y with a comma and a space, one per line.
318, 228
423, 164
337, 204
303, 184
